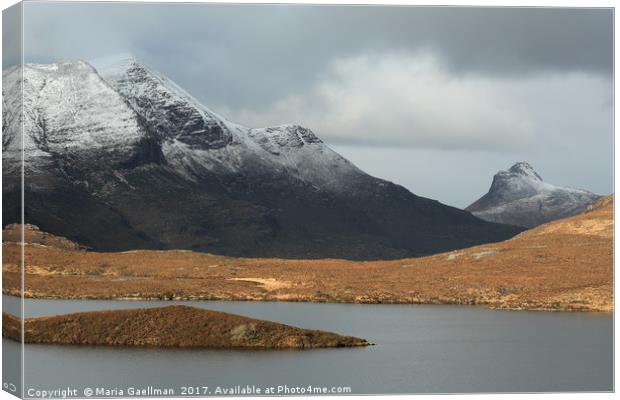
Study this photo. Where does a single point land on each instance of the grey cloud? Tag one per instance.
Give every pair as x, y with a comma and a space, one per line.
222, 50
403, 99
547, 70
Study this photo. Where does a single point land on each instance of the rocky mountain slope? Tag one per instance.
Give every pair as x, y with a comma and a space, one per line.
520, 197
119, 157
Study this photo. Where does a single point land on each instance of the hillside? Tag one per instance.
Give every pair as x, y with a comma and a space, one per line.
172, 326
563, 265
33, 235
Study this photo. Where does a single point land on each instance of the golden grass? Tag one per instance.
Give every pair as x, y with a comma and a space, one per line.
563, 265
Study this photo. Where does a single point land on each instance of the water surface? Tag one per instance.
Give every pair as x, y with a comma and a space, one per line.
419, 349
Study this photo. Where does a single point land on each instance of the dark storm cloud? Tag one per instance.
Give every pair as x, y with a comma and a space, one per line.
222, 50
437, 89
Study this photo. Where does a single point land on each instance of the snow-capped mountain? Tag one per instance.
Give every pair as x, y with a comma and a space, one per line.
197, 140
117, 156
520, 197
69, 111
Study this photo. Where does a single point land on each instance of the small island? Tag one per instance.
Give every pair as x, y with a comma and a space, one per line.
172, 326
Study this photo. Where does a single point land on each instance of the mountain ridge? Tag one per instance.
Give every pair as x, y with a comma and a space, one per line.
142, 164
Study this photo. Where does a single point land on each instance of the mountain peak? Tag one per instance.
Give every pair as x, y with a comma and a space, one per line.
520, 180
520, 197
525, 169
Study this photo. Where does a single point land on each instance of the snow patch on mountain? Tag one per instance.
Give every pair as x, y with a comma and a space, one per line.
68, 110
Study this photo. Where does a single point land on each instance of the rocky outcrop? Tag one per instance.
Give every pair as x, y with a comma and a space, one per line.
33, 235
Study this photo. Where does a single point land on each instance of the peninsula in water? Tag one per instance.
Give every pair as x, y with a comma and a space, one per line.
172, 326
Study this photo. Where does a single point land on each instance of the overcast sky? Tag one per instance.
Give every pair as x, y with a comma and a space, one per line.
435, 99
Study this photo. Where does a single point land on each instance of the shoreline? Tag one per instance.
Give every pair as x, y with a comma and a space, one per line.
565, 265
486, 306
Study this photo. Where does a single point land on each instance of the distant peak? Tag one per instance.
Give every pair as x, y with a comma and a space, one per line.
525, 169
521, 166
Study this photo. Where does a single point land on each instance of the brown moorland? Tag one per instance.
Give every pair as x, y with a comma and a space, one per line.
563, 265
172, 326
